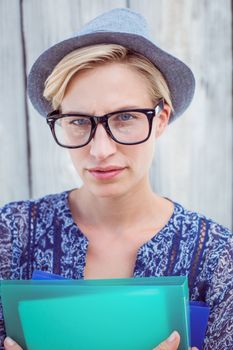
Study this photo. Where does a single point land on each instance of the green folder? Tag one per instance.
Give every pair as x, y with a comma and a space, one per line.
116, 314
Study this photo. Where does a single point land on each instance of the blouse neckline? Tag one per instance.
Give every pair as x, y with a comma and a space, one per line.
151, 240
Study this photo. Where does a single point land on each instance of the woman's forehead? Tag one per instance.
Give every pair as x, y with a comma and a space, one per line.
113, 86
111, 73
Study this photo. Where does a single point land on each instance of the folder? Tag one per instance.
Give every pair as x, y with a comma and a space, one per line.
199, 312
126, 314
199, 315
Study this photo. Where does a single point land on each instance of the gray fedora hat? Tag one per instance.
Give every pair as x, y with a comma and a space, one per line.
118, 26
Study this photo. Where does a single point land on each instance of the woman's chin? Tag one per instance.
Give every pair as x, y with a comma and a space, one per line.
107, 191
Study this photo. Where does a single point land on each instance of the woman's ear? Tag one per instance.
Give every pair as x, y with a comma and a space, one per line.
162, 120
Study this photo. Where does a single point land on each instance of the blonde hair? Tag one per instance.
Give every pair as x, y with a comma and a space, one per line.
91, 56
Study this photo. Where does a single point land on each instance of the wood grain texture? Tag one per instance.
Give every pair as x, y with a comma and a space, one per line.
193, 159
14, 183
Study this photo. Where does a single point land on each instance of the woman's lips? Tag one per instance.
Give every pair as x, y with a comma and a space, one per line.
103, 174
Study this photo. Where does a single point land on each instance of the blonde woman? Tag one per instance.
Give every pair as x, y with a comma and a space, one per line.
108, 94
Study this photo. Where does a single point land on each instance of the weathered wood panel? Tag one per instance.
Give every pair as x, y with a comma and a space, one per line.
14, 183
193, 164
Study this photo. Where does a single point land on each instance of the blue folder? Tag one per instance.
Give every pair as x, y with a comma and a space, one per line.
199, 312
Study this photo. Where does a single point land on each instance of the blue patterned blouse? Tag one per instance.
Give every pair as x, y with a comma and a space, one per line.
41, 234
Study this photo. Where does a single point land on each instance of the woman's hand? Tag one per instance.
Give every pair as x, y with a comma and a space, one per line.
171, 343
10, 344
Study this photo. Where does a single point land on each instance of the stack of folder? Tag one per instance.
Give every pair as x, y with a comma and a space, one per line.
126, 314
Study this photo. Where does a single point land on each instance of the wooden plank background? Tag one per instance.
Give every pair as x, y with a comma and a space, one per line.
193, 160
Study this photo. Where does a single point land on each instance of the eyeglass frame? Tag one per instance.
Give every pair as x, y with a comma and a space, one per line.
150, 113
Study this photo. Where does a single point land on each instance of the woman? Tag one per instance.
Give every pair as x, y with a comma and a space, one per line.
108, 94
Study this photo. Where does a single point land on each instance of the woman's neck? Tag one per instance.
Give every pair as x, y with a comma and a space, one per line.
117, 213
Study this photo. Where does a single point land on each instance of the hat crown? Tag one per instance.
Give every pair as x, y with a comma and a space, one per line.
119, 26
120, 20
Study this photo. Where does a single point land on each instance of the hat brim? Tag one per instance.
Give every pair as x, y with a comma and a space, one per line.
178, 76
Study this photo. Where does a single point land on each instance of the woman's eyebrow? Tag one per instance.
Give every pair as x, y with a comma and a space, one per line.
73, 112
122, 108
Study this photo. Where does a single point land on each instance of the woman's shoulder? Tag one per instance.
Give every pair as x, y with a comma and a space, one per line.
50, 201
206, 247
17, 217
209, 242
193, 221
21, 222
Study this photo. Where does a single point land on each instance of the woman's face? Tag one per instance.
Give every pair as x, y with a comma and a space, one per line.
109, 169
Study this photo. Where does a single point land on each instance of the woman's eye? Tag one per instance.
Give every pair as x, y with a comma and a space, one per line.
80, 122
125, 117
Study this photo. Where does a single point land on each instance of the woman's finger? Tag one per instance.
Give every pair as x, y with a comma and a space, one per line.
171, 343
10, 344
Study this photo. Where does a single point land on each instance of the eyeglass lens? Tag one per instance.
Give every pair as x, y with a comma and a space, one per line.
127, 127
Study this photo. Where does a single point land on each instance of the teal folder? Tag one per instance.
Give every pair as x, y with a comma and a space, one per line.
125, 314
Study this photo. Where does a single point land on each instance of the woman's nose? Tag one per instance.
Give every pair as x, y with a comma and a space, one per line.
102, 146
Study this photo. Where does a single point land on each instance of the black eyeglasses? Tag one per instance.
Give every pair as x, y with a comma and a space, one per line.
127, 127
